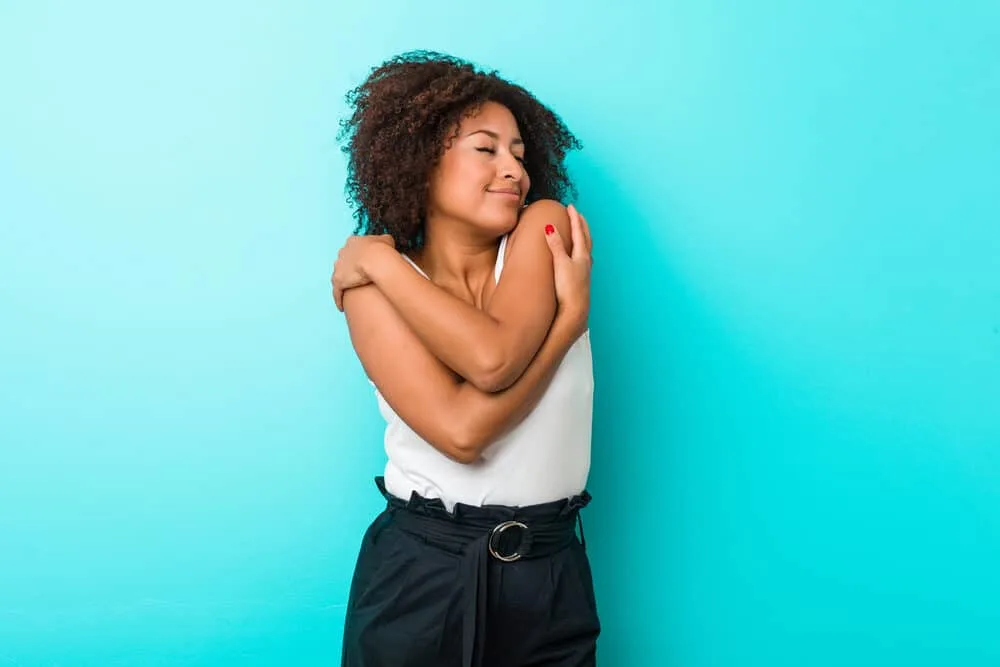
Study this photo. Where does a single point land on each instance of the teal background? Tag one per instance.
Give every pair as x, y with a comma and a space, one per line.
796, 324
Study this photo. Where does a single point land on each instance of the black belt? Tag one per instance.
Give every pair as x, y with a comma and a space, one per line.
480, 535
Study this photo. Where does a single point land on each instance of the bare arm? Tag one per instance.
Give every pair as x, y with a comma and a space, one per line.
490, 348
454, 416
457, 418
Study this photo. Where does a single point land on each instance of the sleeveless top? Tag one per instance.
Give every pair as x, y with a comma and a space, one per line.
543, 459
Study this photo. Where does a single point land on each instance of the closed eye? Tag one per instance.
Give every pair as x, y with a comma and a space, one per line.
491, 151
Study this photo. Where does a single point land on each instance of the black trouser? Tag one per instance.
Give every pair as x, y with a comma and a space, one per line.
479, 587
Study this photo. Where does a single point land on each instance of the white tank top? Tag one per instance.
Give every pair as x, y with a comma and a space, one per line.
543, 459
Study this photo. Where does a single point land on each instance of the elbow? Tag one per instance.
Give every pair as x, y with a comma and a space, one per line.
493, 374
465, 445
490, 383
464, 456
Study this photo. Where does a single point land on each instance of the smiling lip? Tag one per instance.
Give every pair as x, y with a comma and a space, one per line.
509, 193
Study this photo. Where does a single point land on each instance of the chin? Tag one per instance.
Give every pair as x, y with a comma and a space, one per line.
506, 224
498, 222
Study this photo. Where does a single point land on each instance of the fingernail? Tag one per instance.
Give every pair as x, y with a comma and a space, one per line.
549, 229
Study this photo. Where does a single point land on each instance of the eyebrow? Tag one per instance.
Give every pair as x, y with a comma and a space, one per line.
496, 136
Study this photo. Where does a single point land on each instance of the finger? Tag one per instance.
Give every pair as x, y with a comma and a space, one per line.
338, 298
554, 240
574, 225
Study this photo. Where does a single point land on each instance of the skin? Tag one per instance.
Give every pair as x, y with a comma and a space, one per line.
460, 357
487, 333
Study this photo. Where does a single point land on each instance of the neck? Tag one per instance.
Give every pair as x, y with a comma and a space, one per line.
455, 254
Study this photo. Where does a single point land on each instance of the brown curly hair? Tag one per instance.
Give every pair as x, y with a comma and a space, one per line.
399, 127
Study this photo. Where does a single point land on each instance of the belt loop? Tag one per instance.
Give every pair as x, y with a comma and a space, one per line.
579, 522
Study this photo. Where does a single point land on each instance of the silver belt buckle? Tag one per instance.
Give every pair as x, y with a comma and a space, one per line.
495, 535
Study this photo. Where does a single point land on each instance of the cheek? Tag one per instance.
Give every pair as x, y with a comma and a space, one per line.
466, 176
447, 182
458, 189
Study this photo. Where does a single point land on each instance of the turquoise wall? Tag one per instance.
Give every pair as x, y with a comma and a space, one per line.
796, 324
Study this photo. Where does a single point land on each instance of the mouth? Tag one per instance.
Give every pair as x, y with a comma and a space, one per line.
513, 194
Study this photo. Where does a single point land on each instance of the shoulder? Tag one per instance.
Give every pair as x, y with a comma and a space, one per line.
539, 214
544, 211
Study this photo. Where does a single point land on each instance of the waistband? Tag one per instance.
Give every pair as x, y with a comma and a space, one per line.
480, 533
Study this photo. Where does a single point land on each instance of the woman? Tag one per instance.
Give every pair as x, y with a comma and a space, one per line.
466, 296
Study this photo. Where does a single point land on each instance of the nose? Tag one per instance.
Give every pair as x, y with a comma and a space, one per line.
511, 168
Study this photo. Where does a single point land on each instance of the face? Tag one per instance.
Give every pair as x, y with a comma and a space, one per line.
481, 179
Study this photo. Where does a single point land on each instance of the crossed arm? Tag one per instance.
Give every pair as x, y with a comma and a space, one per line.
460, 376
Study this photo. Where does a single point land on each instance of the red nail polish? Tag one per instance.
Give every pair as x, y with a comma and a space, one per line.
549, 229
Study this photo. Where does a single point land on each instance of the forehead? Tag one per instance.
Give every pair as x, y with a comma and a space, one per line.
493, 117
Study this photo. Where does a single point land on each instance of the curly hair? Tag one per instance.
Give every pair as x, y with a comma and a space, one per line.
399, 129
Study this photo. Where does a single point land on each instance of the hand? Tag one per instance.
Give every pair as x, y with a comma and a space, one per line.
572, 272
348, 270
